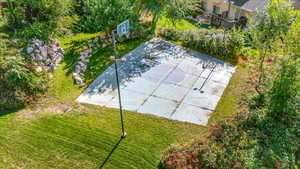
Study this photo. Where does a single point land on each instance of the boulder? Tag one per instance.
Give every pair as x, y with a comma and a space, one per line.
50, 75
82, 65
77, 69
58, 59
52, 67
32, 56
38, 69
55, 41
48, 62
39, 57
78, 79
38, 43
29, 50
43, 51
60, 50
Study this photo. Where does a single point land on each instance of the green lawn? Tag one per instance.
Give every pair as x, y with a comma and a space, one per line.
61, 133
229, 103
182, 24
84, 138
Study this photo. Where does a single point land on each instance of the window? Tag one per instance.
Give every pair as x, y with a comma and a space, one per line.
216, 9
238, 13
204, 6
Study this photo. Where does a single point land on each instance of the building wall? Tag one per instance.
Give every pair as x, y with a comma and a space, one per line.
224, 6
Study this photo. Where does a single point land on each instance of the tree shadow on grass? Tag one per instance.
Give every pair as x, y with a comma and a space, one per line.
111, 152
99, 60
5, 112
72, 54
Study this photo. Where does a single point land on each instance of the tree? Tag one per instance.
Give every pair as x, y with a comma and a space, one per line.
271, 25
25, 14
105, 15
285, 93
174, 9
19, 83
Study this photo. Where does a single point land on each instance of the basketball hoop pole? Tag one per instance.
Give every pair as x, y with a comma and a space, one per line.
115, 59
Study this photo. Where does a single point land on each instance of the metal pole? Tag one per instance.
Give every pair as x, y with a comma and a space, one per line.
229, 8
118, 84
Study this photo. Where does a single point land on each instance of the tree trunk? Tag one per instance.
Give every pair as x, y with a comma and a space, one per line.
28, 14
154, 22
258, 87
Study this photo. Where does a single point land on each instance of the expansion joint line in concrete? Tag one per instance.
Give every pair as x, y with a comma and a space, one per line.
181, 101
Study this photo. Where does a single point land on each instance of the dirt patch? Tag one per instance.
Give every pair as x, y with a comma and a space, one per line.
32, 114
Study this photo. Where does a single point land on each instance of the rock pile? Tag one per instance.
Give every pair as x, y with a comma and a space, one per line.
81, 67
84, 58
46, 57
85, 55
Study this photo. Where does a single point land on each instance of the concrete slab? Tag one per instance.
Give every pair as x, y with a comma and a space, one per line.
171, 92
159, 107
141, 85
192, 114
205, 101
180, 78
130, 100
165, 80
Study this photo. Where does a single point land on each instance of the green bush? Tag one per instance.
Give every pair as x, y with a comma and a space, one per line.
285, 92
34, 15
19, 83
170, 34
105, 15
217, 43
38, 30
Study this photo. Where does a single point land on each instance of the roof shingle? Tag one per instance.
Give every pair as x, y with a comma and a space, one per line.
251, 5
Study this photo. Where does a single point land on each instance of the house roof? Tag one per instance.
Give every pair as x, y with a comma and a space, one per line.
250, 5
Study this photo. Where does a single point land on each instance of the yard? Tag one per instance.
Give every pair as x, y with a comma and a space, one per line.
61, 133
184, 105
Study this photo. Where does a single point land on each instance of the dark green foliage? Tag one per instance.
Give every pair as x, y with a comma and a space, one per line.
285, 93
217, 43
19, 84
271, 25
170, 34
36, 16
173, 9
253, 142
38, 30
105, 15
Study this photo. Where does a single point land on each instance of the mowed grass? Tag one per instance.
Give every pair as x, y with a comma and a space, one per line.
182, 24
88, 137
85, 138
229, 103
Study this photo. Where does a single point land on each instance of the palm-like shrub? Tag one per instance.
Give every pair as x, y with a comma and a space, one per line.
174, 9
105, 15
19, 83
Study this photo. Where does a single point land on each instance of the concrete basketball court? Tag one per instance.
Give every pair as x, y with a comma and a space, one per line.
164, 80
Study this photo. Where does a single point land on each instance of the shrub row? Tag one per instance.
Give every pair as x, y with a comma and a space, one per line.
215, 42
